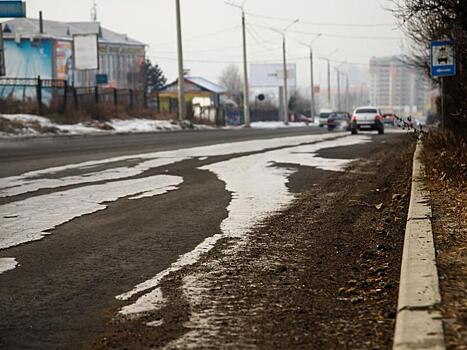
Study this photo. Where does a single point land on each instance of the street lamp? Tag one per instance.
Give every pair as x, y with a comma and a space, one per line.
284, 62
329, 77
181, 76
246, 93
312, 84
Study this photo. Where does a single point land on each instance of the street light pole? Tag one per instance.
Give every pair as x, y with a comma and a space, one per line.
339, 105
285, 95
329, 78
181, 75
329, 84
246, 90
312, 83
284, 65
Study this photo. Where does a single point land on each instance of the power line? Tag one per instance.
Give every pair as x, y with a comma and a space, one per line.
218, 32
365, 25
333, 35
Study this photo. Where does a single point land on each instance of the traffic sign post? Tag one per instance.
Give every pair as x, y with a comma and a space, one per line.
443, 60
443, 64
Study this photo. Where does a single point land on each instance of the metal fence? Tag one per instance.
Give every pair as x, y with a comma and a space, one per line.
59, 97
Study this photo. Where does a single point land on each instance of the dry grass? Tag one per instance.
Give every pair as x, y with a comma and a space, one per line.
445, 158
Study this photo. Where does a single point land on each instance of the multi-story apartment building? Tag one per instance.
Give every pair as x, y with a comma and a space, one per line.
398, 87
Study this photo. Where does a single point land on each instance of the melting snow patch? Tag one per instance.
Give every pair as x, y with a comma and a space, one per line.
149, 302
7, 264
32, 218
259, 189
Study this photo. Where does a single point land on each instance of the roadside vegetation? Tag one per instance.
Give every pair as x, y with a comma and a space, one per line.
445, 152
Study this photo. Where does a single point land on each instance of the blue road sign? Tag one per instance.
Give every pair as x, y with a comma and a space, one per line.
443, 60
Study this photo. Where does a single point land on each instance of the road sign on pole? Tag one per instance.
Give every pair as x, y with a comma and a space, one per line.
12, 9
443, 61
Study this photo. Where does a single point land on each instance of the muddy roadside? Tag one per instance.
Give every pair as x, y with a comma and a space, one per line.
323, 274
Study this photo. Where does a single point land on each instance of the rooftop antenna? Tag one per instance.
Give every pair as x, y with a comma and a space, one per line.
94, 11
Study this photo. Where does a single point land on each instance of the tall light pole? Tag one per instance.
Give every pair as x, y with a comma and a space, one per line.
312, 83
339, 105
329, 77
246, 90
181, 76
284, 65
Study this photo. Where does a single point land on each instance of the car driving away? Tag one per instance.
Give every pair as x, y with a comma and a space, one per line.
339, 121
323, 117
367, 118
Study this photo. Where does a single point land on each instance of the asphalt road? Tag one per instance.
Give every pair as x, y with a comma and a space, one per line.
62, 294
21, 155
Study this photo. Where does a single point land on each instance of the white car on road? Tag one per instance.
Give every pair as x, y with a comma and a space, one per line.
367, 118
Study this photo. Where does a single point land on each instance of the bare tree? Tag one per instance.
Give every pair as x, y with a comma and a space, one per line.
231, 79
427, 20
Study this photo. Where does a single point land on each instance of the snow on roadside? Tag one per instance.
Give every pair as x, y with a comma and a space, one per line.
26, 125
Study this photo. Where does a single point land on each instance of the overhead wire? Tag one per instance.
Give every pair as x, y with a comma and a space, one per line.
363, 25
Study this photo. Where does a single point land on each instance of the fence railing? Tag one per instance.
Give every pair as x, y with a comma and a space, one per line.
58, 96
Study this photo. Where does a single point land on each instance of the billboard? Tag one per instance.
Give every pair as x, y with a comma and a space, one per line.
86, 51
272, 75
64, 61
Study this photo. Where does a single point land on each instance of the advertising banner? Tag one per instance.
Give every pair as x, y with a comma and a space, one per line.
272, 75
86, 52
64, 61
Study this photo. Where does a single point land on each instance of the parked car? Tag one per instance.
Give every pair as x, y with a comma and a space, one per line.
339, 121
367, 118
323, 117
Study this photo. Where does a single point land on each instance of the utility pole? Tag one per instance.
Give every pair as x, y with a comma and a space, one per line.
329, 84
285, 94
284, 65
329, 78
312, 83
347, 93
181, 77
339, 104
246, 90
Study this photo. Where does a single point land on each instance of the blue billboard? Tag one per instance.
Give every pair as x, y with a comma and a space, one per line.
26, 59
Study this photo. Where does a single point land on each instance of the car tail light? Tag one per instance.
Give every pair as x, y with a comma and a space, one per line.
378, 118
354, 118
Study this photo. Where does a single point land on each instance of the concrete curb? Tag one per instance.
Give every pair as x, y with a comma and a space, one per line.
419, 323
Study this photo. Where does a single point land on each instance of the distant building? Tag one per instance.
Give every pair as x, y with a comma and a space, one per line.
29, 53
198, 91
398, 87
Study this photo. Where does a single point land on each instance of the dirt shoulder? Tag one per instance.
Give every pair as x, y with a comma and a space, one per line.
445, 158
323, 274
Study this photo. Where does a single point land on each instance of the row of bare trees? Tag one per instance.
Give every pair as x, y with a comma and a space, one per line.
427, 20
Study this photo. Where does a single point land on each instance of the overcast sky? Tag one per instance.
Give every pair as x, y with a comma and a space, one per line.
359, 29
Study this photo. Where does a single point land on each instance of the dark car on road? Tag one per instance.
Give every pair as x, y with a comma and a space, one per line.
339, 121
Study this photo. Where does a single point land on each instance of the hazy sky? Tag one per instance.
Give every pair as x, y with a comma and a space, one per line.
212, 33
